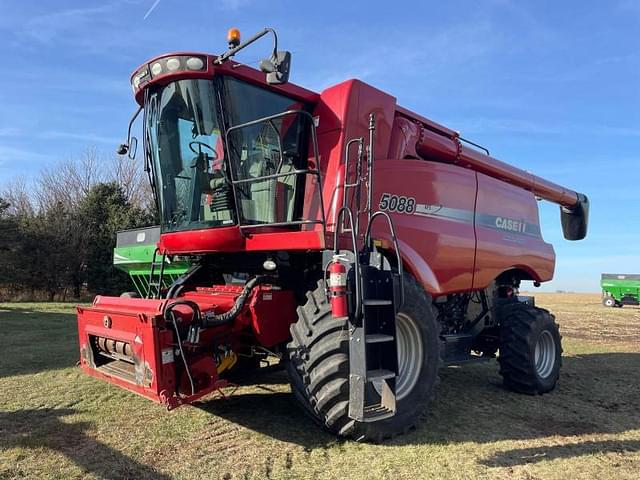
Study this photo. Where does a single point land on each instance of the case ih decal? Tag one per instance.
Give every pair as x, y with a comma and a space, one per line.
408, 205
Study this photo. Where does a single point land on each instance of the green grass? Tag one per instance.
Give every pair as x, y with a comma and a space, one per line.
56, 422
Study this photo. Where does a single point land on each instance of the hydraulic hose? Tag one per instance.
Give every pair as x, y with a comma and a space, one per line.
192, 305
213, 320
210, 319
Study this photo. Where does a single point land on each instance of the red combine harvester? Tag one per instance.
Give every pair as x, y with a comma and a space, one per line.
361, 244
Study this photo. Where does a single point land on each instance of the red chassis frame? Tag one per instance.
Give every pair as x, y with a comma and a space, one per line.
137, 328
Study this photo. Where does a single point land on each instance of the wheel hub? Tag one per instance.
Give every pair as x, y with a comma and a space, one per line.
545, 354
410, 356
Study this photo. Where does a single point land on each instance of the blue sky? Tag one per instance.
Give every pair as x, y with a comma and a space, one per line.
552, 87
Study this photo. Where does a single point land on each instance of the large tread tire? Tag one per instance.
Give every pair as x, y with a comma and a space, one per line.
318, 367
521, 327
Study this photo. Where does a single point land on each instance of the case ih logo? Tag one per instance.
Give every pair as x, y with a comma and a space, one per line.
511, 225
408, 205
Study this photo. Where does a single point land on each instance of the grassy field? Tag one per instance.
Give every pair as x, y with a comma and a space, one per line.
56, 422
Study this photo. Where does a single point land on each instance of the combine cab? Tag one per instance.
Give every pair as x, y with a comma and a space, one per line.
360, 244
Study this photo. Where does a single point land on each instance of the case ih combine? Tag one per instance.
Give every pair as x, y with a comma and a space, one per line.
362, 244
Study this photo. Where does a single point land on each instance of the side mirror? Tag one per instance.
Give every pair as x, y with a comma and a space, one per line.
277, 68
129, 149
133, 147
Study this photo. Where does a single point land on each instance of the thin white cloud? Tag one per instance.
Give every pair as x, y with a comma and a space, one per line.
151, 9
84, 137
10, 132
437, 55
11, 156
489, 125
234, 4
44, 28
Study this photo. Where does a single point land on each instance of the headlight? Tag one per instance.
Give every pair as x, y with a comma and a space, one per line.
156, 69
173, 64
195, 63
164, 66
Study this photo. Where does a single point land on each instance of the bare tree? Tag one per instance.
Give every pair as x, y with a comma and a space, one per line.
129, 175
21, 196
69, 181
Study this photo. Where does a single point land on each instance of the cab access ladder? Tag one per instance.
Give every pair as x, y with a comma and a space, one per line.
376, 296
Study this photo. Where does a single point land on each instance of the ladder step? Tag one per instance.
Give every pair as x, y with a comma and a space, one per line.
379, 374
378, 338
374, 413
372, 302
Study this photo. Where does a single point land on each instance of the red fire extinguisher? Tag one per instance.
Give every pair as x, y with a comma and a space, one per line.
338, 287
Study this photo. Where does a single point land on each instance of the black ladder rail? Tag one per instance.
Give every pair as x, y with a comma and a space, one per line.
373, 360
356, 266
369, 243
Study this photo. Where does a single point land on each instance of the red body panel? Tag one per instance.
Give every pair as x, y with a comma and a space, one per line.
437, 241
503, 246
439, 245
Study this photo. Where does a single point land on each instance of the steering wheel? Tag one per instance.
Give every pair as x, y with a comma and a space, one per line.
200, 145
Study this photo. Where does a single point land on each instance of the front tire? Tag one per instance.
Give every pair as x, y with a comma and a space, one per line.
609, 302
319, 365
530, 349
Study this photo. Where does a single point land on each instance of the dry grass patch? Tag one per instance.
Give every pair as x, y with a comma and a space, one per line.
56, 422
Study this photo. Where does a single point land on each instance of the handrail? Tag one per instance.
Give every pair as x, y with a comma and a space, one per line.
358, 183
336, 251
396, 247
316, 172
275, 175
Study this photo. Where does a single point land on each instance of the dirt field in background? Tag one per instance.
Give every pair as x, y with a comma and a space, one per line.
57, 423
583, 316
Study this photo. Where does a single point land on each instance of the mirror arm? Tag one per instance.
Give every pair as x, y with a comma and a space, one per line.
230, 53
124, 147
133, 119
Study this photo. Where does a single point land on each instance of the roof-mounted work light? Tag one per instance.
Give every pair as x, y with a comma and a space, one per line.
233, 37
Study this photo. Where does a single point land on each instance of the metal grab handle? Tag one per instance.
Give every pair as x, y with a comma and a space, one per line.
349, 213
358, 182
396, 247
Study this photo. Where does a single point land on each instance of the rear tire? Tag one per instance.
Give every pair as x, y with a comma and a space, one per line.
319, 365
530, 349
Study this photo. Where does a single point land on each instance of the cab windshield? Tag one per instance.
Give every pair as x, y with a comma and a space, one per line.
197, 186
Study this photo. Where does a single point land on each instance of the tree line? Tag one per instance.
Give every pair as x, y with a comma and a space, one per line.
58, 230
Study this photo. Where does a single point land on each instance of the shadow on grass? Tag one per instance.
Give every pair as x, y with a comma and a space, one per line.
522, 456
43, 428
34, 341
597, 394
271, 413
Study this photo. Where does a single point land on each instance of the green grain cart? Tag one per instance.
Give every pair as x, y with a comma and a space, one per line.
135, 253
620, 289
